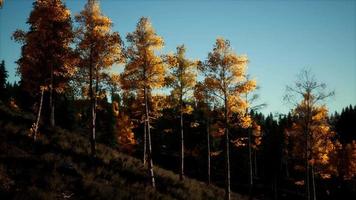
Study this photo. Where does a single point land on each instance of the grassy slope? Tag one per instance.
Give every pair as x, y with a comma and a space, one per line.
58, 166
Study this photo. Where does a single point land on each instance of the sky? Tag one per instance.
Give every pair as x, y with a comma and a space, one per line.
280, 37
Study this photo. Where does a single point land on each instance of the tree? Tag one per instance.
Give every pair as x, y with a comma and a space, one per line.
225, 78
143, 73
311, 133
204, 100
350, 160
3, 77
47, 58
182, 79
124, 126
99, 48
253, 132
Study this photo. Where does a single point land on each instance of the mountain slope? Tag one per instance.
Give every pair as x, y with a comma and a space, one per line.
58, 166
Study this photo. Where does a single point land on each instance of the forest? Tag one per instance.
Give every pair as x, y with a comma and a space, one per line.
164, 126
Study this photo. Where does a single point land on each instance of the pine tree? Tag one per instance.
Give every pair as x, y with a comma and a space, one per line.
143, 73
99, 48
182, 80
47, 58
3, 78
226, 78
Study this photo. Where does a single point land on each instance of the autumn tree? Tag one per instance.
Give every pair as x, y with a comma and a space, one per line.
225, 78
253, 131
143, 73
205, 101
46, 57
181, 79
123, 128
313, 139
99, 48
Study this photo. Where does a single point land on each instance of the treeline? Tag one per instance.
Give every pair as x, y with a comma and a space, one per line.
156, 109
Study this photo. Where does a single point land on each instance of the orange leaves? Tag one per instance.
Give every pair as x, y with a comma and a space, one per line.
188, 109
97, 42
144, 68
226, 79
125, 136
46, 54
311, 127
245, 121
257, 135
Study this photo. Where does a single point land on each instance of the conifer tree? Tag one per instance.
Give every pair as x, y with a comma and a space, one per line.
3, 77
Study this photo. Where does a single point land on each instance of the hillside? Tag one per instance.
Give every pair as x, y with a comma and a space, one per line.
58, 166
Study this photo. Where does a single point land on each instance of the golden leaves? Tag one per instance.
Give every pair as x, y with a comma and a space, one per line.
125, 136
144, 68
312, 122
47, 54
188, 109
226, 79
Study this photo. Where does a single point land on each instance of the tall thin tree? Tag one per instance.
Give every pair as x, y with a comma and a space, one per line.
226, 78
310, 130
143, 73
182, 80
99, 48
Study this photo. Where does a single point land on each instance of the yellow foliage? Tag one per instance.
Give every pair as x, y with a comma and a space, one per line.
246, 121
125, 136
226, 79
144, 69
323, 145
46, 53
188, 109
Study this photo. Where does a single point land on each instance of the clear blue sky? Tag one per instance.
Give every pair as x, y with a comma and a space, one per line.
280, 37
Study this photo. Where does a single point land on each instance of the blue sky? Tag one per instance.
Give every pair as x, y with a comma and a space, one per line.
280, 37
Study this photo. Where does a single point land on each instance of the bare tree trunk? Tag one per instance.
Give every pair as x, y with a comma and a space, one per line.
93, 114
275, 187
145, 143
38, 116
227, 149
313, 182
307, 185
51, 100
250, 161
307, 146
208, 144
181, 175
149, 155
255, 163
286, 165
